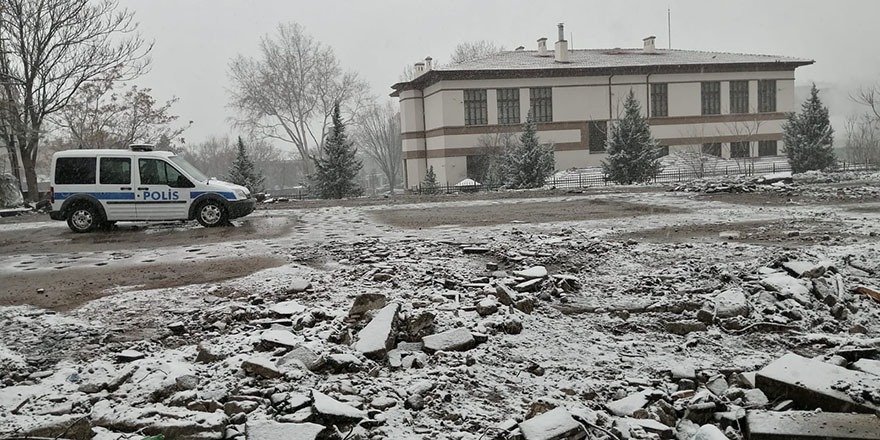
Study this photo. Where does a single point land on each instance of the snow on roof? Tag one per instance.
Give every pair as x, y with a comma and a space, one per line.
607, 58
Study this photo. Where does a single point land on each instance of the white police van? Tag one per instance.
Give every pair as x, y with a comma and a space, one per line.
92, 189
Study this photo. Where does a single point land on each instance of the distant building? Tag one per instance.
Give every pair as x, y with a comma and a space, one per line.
726, 104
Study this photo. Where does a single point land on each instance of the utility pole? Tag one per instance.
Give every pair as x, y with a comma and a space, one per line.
669, 27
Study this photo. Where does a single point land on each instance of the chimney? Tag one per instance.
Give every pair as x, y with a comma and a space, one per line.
428, 65
520, 48
561, 47
649, 44
419, 69
542, 47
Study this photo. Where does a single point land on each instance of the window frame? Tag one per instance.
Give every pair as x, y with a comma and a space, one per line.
508, 106
101, 173
88, 163
766, 95
659, 100
709, 148
710, 97
762, 145
737, 147
476, 107
541, 107
600, 127
177, 184
739, 96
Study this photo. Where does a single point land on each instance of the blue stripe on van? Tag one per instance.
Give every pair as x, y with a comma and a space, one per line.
226, 194
97, 195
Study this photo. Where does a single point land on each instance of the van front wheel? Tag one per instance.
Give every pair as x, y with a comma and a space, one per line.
212, 213
83, 218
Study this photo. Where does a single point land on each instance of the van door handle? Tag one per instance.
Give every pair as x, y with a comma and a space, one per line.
141, 188
125, 188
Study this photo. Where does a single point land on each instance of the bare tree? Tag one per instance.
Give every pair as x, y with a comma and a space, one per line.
488, 167
288, 91
379, 139
745, 129
870, 97
472, 50
51, 48
97, 117
863, 139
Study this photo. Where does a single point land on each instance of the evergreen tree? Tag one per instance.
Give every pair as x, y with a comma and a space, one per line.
527, 163
337, 169
243, 171
808, 136
633, 156
430, 184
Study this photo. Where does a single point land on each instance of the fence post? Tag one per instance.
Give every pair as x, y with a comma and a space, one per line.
580, 181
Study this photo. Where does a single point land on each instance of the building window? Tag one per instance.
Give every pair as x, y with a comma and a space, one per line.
659, 100
767, 95
739, 150
598, 135
739, 96
662, 150
767, 148
711, 95
712, 149
475, 108
542, 104
508, 106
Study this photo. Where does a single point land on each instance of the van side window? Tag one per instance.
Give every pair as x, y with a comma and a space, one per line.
159, 172
115, 171
75, 171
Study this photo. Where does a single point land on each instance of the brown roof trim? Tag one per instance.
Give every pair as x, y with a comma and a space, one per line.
434, 76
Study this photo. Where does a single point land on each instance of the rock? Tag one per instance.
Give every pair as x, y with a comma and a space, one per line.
717, 385
366, 302
240, 407
271, 430
299, 285
787, 287
755, 398
343, 363
532, 272
303, 355
186, 382
867, 366
505, 294
529, 286
797, 268
208, 353
383, 403
487, 306
377, 337
709, 432
459, 339
684, 327
415, 402
474, 250
807, 425
282, 338
683, 370
628, 405
743, 380
157, 419
815, 384
178, 328
419, 326
333, 411
261, 367
649, 425
730, 303
73, 426
129, 356
728, 235
556, 424
287, 308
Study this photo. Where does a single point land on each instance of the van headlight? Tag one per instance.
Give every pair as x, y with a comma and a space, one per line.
239, 194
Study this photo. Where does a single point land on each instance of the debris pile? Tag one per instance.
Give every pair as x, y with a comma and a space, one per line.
779, 183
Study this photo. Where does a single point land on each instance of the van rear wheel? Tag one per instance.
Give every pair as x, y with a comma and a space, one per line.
212, 213
83, 218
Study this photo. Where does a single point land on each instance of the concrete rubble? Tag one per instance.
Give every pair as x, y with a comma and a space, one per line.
449, 339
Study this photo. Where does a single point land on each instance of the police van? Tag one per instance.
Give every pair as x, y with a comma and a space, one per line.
93, 189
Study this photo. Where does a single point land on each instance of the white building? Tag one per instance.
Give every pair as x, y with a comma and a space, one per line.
727, 104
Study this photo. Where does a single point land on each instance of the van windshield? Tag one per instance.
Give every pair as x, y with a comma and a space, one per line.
189, 168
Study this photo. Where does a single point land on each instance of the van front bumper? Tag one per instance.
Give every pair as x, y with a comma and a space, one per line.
56, 215
241, 208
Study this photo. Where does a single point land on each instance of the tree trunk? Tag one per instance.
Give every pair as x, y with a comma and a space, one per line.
30, 173
15, 168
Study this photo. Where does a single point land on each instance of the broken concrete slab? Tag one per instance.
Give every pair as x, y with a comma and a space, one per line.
260, 366
709, 432
272, 430
532, 272
158, 419
650, 425
377, 337
868, 366
459, 339
628, 405
806, 425
283, 338
333, 411
556, 424
813, 384
301, 354
287, 308
787, 287
730, 303
299, 285
366, 302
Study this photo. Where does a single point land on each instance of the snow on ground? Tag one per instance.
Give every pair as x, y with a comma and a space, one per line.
630, 299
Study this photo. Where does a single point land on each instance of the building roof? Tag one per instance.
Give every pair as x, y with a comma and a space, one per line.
527, 63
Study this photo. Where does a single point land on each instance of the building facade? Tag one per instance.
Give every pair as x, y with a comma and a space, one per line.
724, 104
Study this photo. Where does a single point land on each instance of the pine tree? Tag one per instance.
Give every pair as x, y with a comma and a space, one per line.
430, 184
527, 163
338, 166
633, 156
808, 136
243, 171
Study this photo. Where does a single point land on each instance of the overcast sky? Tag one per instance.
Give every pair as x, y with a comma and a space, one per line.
195, 39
